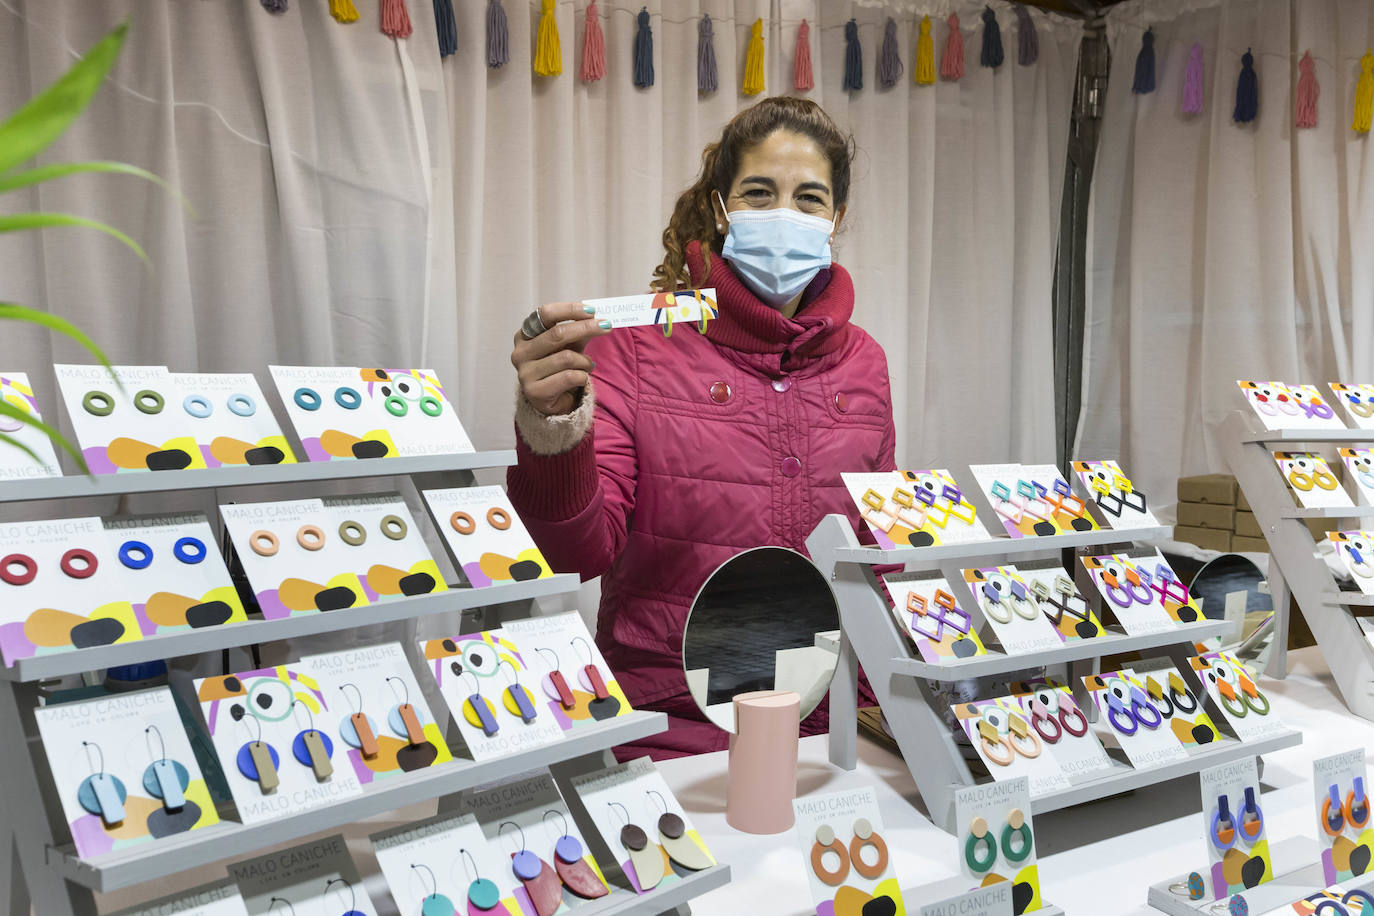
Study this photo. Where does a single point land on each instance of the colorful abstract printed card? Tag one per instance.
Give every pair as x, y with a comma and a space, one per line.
28, 452
998, 839
1357, 401
849, 867
1311, 480
1120, 501
129, 420
230, 420
1033, 500
927, 612
486, 536
914, 508
575, 685
1283, 406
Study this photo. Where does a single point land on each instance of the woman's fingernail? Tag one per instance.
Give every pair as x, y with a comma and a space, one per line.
605, 325
589, 309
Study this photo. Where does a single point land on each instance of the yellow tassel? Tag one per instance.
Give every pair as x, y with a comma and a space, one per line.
548, 53
343, 10
925, 55
753, 62
1364, 94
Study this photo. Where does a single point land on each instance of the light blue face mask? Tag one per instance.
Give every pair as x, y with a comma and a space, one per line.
777, 252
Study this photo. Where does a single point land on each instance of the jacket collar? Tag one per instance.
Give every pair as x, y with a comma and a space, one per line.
746, 323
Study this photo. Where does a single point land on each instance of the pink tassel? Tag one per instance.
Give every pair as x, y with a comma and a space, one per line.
1192, 81
1308, 90
593, 48
395, 19
952, 63
802, 79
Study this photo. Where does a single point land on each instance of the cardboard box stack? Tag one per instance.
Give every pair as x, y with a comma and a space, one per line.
1207, 511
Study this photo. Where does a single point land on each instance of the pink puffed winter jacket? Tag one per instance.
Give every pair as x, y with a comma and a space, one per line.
704, 446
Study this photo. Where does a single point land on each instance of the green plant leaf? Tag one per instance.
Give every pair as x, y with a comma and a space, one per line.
61, 441
7, 440
15, 312
31, 129
16, 222
63, 169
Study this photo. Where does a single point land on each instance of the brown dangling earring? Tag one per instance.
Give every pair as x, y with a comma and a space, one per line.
672, 836
645, 857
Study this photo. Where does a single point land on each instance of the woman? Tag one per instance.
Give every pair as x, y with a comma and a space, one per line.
704, 445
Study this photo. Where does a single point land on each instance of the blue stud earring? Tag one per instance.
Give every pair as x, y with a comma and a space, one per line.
102, 793
434, 903
163, 778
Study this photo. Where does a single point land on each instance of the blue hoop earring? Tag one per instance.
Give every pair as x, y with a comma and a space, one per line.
1251, 805
189, 550
307, 399
347, 398
242, 405
198, 405
1227, 839
127, 552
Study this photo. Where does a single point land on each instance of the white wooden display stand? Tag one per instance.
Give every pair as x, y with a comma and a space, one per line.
1294, 567
38, 864
899, 676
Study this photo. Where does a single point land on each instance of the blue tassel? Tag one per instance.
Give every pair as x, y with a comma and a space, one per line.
446, 26
644, 52
992, 55
1145, 64
853, 57
1247, 90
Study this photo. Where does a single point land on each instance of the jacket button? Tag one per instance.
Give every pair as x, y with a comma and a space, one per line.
781, 384
720, 392
842, 402
791, 467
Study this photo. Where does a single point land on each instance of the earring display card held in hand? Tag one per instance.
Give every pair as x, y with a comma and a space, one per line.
1235, 690
568, 674
996, 840
487, 537
1284, 406
1134, 720
846, 857
642, 824
124, 771
548, 866
927, 612
1062, 727
314, 877
914, 508
490, 689
1345, 830
657, 309
1311, 480
1011, 610
15, 463
1144, 593
345, 412
272, 733
1008, 745
1233, 823
1121, 504
230, 421
380, 720
1357, 401
219, 899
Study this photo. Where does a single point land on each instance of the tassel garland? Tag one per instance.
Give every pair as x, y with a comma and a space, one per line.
706, 55
1192, 81
853, 58
498, 35
395, 19
889, 58
925, 55
1027, 42
952, 62
1308, 90
548, 50
802, 78
991, 55
644, 52
274, 6
593, 47
1364, 94
753, 61
1145, 64
1247, 90
446, 27
343, 11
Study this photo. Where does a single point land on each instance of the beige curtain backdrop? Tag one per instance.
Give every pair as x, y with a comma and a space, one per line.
357, 201
1221, 251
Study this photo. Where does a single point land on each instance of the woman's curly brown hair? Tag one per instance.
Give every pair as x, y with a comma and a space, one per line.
693, 217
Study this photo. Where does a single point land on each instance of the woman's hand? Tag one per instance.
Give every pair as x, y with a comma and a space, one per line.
553, 367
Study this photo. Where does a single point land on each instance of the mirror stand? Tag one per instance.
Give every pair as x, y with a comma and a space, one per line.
763, 762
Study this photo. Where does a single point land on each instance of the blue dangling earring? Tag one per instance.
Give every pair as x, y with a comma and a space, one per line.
518, 699
477, 710
434, 903
102, 793
165, 779
312, 747
482, 892
258, 761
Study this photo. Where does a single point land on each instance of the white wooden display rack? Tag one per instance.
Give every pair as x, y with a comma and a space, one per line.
38, 864
1294, 567
900, 678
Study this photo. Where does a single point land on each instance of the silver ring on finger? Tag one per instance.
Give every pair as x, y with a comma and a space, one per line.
533, 325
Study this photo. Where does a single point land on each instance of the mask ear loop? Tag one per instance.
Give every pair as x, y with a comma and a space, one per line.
352, 894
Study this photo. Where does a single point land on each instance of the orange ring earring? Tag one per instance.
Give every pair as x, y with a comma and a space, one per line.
264, 543
498, 518
826, 841
462, 523
864, 836
991, 742
311, 537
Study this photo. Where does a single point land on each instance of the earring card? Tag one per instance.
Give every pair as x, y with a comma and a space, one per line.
656, 309
111, 736
184, 584
636, 789
1235, 690
380, 678
1286, 406
314, 877
847, 891
561, 642
1063, 605
229, 419
1081, 758
477, 669
275, 706
1246, 864
488, 555
394, 561
999, 805
1359, 467
989, 725
132, 421
1126, 712
346, 412
219, 899
1144, 593
1356, 550
425, 860
15, 463
1346, 848
55, 611
1018, 634
1116, 497
1357, 401
1311, 480
928, 613
533, 804
914, 508
1194, 727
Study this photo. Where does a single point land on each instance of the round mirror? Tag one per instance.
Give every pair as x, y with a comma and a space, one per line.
1225, 575
766, 619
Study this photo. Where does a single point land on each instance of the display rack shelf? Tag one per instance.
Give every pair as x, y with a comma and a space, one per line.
662, 899
150, 861
1294, 567
900, 679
